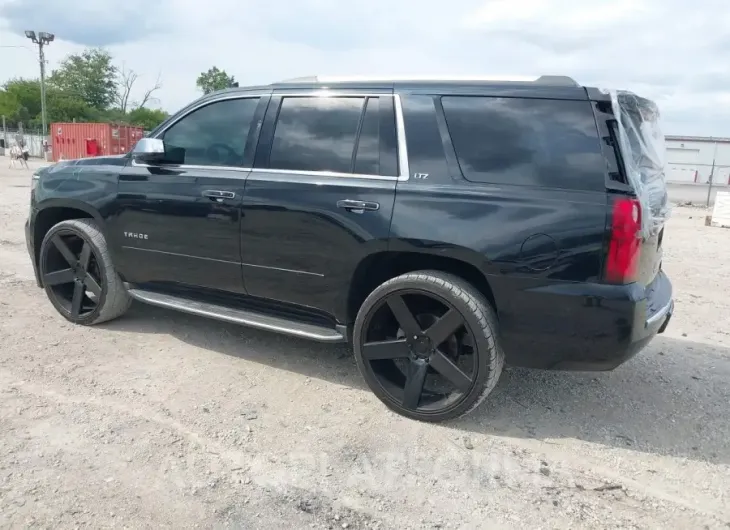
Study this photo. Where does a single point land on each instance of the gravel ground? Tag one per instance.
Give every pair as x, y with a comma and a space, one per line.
167, 420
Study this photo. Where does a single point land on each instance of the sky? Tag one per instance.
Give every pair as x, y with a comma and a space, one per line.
675, 52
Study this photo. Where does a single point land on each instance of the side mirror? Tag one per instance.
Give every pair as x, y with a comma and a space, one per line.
149, 150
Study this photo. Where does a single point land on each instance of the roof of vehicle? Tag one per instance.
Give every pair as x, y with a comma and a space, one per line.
547, 86
545, 80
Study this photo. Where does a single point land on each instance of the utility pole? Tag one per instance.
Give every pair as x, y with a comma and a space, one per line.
712, 175
42, 39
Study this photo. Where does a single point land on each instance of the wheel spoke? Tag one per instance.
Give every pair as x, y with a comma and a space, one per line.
77, 299
414, 383
60, 244
386, 349
444, 327
403, 315
450, 371
85, 255
59, 277
92, 285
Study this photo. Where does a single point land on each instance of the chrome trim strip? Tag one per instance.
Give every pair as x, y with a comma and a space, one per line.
238, 316
179, 255
282, 270
404, 170
323, 173
170, 167
656, 317
329, 93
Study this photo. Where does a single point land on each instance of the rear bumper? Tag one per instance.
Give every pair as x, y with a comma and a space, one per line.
590, 327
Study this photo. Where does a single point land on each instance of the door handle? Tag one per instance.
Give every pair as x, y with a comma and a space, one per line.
357, 206
218, 195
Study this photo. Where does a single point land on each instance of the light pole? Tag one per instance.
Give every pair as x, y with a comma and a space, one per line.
41, 40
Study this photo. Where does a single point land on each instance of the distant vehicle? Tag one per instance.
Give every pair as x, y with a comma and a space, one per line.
441, 227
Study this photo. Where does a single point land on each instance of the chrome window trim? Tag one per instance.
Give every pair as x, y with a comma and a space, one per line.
333, 174
327, 93
404, 171
135, 163
403, 167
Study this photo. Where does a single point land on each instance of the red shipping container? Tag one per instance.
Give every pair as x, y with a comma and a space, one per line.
83, 140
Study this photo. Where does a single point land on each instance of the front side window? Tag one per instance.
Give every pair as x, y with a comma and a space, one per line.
529, 142
214, 135
316, 134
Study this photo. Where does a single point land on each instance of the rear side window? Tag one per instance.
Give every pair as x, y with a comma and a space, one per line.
528, 142
316, 134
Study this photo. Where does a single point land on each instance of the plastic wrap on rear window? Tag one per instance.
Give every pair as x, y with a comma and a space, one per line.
644, 155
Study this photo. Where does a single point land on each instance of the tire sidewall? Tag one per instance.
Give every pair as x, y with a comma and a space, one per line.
482, 345
72, 227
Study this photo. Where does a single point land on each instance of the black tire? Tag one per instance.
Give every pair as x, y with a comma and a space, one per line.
479, 319
112, 300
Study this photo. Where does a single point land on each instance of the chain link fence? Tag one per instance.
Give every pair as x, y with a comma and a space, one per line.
33, 139
696, 184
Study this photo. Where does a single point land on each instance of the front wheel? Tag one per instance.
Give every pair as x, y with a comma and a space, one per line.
78, 274
426, 344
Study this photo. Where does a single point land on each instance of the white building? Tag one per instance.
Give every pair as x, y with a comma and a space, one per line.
694, 158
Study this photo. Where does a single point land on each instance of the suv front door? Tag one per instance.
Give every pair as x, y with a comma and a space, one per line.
320, 196
178, 221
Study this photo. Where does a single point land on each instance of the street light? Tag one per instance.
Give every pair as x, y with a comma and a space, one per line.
42, 39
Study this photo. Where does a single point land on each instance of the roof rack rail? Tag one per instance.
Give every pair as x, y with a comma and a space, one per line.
552, 80
556, 80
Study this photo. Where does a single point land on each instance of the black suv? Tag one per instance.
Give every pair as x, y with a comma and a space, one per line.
442, 227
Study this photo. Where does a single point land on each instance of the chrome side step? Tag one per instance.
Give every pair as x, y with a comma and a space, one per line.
239, 316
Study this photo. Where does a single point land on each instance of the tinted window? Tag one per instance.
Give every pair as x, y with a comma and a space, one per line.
316, 134
534, 142
367, 159
214, 135
425, 150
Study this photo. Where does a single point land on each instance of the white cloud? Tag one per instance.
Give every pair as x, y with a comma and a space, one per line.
670, 50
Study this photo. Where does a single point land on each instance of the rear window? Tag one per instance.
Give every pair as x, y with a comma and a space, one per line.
527, 142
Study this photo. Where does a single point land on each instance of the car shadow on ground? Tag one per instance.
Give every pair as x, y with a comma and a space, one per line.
672, 399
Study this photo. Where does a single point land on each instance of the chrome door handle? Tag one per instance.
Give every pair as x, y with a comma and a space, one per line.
357, 206
219, 195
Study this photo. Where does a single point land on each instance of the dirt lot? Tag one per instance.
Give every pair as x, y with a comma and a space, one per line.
167, 420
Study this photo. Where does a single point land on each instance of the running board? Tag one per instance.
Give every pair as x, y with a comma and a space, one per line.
239, 316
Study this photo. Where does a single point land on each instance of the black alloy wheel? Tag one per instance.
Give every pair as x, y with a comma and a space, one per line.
77, 273
72, 274
426, 347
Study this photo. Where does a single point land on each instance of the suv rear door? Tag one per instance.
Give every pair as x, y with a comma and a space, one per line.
320, 195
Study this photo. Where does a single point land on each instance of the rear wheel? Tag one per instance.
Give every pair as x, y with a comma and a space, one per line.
78, 274
426, 344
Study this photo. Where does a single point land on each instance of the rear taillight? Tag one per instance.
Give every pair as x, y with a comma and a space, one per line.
625, 243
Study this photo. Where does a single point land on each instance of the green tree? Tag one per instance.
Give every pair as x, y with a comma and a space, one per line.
146, 118
63, 107
214, 79
9, 105
27, 93
90, 75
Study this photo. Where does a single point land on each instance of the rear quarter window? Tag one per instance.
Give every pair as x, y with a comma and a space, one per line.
526, 142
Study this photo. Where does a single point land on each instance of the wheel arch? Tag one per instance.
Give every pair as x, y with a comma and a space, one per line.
52, 212
377, 268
